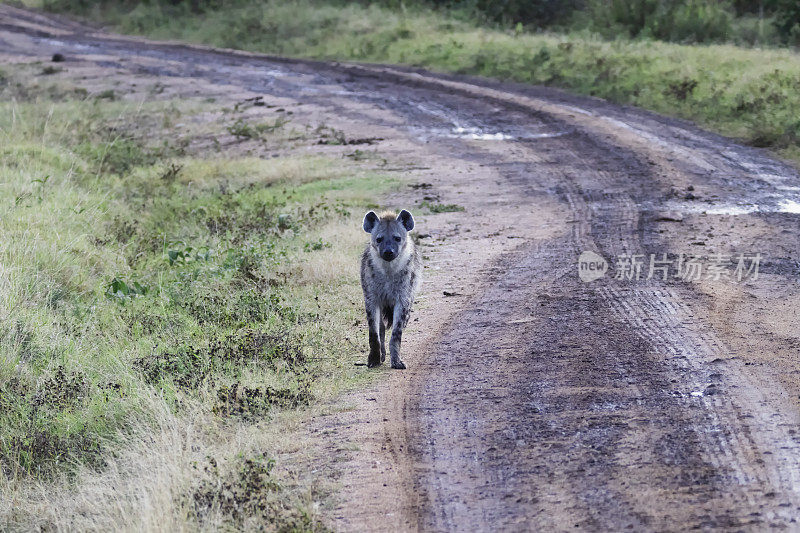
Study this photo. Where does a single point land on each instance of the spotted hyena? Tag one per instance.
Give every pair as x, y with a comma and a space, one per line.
390, 275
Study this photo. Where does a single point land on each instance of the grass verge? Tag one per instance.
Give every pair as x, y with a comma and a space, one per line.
169, 306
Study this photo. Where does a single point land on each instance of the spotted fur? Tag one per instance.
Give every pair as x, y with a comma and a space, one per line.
390, 276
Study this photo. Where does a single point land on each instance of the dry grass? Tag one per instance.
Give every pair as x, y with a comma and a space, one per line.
157, 468
342, 244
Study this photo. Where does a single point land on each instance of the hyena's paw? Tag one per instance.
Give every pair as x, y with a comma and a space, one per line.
399, 365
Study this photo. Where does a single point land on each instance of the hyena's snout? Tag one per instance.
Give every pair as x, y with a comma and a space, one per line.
388, 248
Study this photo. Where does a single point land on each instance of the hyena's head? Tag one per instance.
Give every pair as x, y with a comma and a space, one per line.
389, 233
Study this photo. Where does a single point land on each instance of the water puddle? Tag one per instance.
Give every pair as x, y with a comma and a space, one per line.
57, 43
460, 128
478, 134
790, 206
730, 210
783, 205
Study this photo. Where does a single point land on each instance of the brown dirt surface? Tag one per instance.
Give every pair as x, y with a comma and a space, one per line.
534, 400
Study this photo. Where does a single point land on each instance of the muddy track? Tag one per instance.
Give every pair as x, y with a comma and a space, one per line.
535, 400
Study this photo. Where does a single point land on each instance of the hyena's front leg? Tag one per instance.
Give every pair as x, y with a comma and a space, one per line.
373, 317
401, 313
383, 339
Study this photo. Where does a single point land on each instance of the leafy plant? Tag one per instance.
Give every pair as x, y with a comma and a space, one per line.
122, 291
314, 246
181, 254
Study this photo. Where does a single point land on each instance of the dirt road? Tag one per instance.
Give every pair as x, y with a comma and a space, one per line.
533, 399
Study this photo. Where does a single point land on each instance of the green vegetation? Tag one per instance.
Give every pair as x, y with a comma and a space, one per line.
441, 208
687, 21
242, 129
149, 283
747, 93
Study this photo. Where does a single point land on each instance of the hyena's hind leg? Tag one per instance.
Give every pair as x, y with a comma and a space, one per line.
375, 344
401, 314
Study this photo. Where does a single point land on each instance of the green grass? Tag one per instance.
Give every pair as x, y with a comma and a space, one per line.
747, 93
441, 208
145, 284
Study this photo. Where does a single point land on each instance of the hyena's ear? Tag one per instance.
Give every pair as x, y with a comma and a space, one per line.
370, 221
406, 220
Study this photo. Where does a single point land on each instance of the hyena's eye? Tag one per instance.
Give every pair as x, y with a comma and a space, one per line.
396, 238
379, 240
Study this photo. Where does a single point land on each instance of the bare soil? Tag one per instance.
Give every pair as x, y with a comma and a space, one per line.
534, 400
